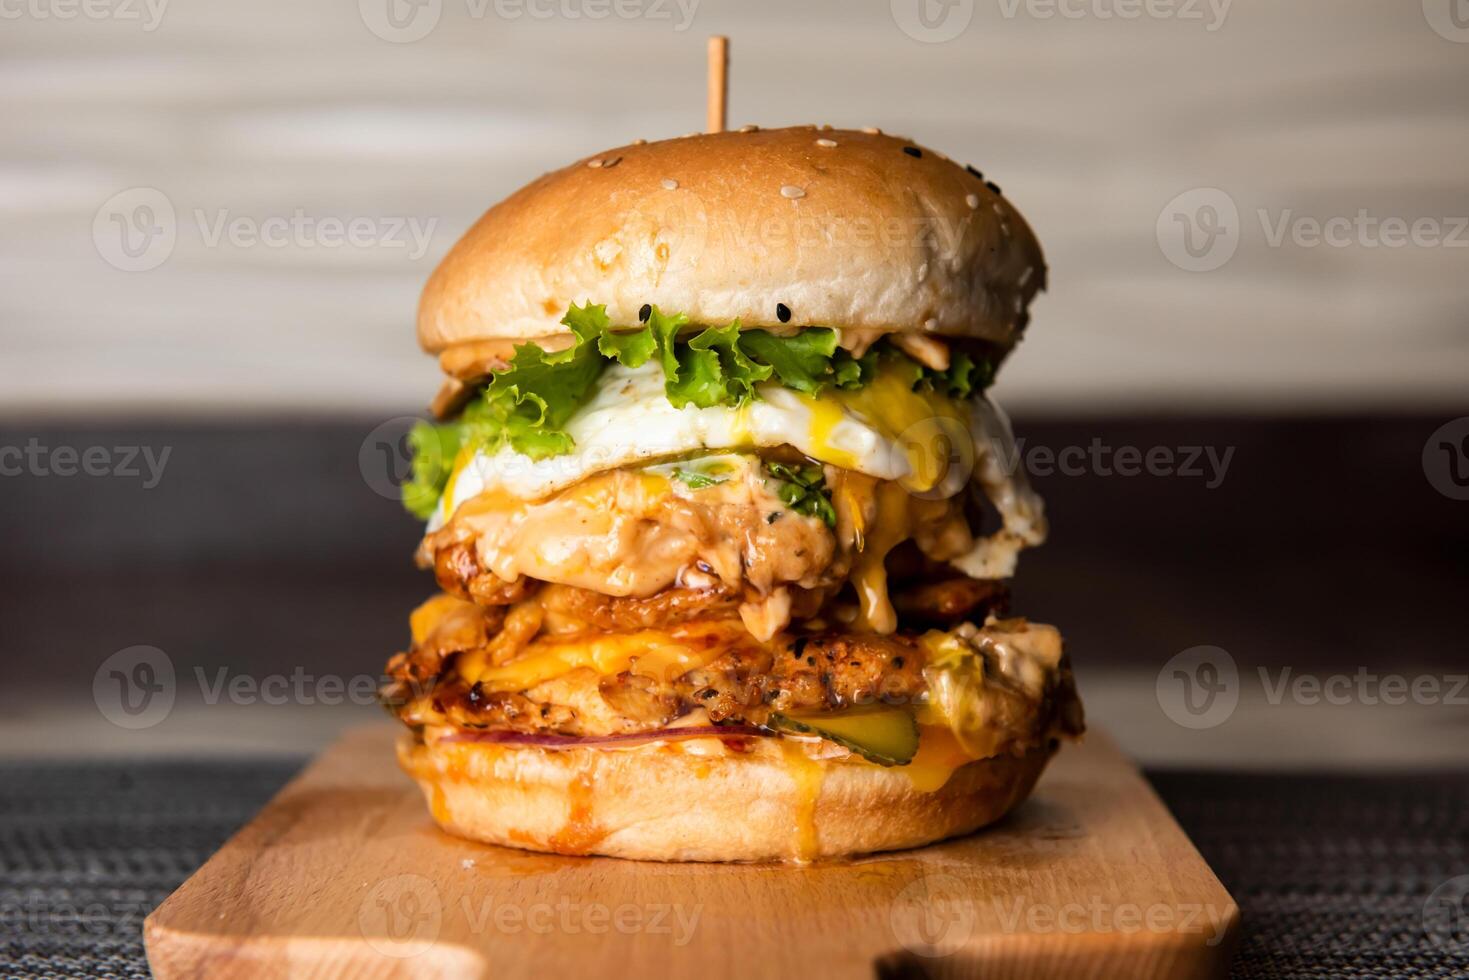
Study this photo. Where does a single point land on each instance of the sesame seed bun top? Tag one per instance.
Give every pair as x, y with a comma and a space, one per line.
783, 228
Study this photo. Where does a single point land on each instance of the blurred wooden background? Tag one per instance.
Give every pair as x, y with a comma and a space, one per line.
1091, 123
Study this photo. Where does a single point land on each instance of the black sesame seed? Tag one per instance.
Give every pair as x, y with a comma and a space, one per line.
898, 662
782, 313
772, 517
970, 167
992, 186
913, 151
645, 312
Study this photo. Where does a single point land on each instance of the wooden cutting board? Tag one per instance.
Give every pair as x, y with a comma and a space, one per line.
344, 875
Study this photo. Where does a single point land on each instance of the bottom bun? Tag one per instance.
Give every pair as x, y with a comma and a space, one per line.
661, 802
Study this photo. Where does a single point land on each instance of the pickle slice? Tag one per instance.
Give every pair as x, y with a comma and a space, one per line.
886, 735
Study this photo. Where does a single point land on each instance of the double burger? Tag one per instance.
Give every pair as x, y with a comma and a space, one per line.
722, 515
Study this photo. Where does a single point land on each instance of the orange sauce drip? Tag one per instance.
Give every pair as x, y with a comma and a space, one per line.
438, 803
806, 773
579, 834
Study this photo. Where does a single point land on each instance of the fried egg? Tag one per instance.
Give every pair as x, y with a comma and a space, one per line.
932, 444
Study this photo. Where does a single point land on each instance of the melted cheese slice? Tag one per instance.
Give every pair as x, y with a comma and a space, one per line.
660, 654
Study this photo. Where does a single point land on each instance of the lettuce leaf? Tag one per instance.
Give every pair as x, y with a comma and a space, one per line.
433, 449
590, 325
802, 362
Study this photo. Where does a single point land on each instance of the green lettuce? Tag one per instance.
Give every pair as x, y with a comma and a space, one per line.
433, 449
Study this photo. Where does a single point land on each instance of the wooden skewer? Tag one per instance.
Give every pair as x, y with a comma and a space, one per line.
718, 82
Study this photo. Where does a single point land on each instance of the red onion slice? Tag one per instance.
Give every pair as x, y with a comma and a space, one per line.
547, 740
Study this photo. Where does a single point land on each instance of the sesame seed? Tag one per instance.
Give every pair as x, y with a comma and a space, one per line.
613, 162
970, 167
994, 187
1025, 276
871, 130
669, 184
824, 126
826, 142
930, 324
913, 151
972, 200
792, 191
594, 164
782, 313
639, 142
645, 312
752, 128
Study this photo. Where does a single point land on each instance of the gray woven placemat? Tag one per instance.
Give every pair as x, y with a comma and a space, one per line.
1332, 872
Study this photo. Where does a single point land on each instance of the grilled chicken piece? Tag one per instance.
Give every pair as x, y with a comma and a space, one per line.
952, 600
593, 610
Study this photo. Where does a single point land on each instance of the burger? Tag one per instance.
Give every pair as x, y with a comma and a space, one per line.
724, 520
